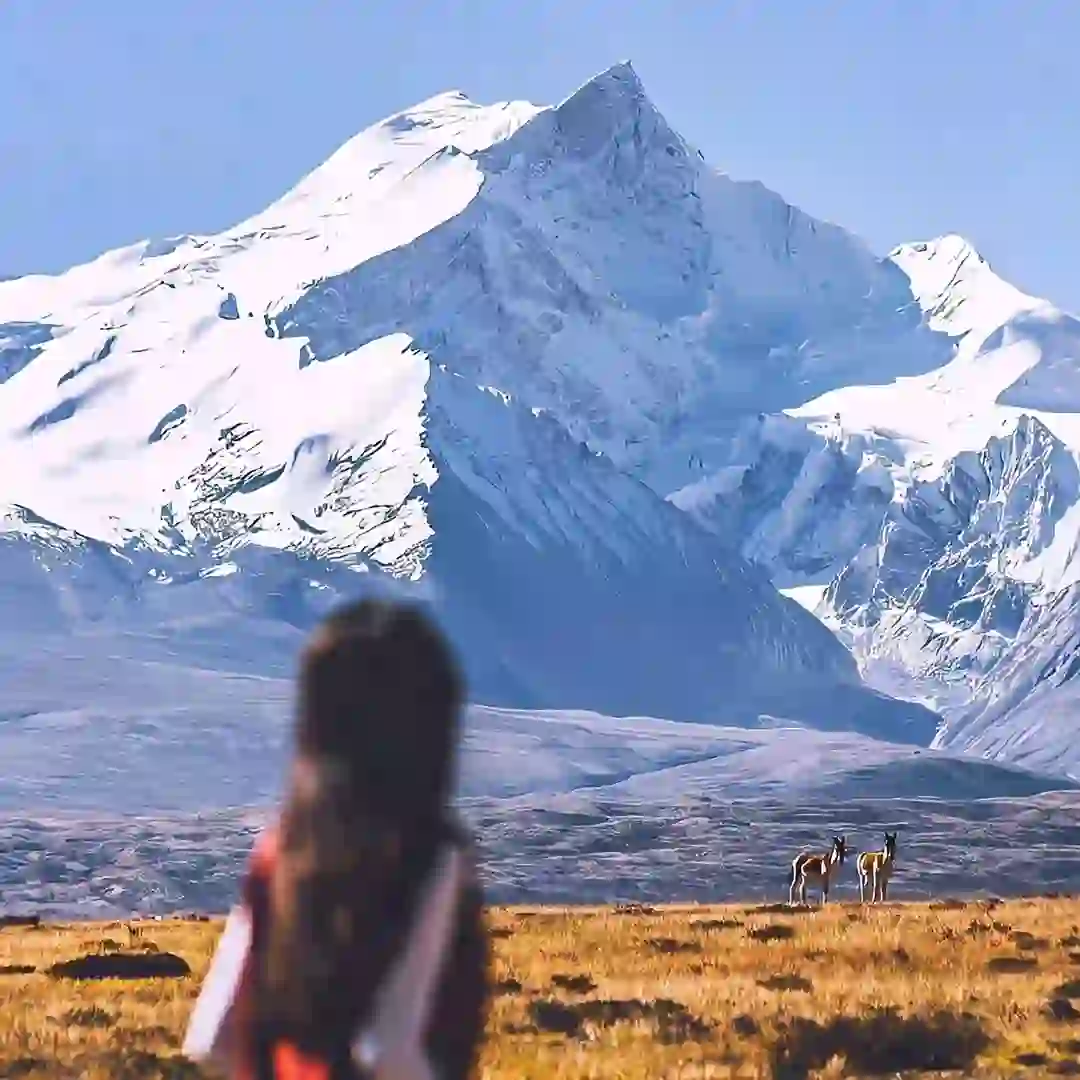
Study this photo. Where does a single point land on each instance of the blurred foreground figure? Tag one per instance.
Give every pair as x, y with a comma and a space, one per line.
359, 948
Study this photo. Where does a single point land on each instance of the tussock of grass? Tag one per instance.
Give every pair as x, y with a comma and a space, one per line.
980, 989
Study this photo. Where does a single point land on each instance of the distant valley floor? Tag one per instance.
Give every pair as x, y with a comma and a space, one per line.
121, 804
571, 851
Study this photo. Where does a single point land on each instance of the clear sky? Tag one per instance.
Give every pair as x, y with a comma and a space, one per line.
899, 119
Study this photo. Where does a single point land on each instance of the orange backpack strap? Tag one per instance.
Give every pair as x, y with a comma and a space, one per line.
291, 1064
263, 859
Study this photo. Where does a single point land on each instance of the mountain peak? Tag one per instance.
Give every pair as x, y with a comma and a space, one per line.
616, 88
620, 75
610, 116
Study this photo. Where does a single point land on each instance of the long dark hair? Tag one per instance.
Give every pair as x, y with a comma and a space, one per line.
378, 725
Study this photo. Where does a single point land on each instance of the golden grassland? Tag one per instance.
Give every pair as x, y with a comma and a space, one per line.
978, 989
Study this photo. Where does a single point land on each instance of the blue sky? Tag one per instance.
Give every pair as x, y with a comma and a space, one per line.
123, 119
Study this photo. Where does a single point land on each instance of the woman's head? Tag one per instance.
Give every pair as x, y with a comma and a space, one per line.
380, 701
365, 814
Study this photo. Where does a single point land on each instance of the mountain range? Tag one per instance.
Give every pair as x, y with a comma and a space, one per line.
597, 402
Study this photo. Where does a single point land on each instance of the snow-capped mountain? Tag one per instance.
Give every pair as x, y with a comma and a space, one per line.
469, 354
548, 369
937, 513
1006, 356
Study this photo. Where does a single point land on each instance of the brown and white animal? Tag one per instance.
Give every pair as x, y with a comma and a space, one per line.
875, 868
807, 869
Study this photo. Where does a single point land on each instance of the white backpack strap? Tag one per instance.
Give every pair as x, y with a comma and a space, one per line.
392, 1045
209, 1029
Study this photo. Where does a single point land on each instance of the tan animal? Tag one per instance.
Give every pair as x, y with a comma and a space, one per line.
875, 868
807, 869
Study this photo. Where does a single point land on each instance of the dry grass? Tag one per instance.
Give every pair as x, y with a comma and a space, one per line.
982, 989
